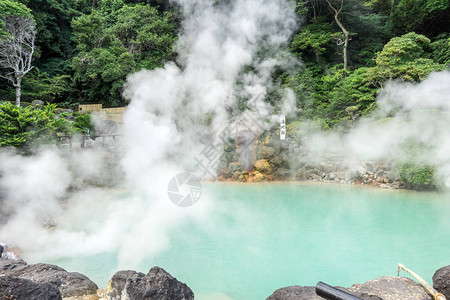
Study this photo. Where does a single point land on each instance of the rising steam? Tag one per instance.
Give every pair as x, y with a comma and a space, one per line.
411, 123
56, 205
50, 207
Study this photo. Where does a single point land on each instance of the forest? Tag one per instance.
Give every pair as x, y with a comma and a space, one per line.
84, 50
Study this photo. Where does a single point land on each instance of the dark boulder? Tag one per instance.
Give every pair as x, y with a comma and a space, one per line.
309, 293
24, 289
441, 281
69, 283
156, 285
120, 282
295, 292
9, 265
392, 288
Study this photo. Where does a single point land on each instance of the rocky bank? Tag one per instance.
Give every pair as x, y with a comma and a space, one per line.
22, 281
269, 159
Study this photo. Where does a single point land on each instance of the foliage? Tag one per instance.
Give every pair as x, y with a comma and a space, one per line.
407, 58
55, 47
82, 122
31, 126
315, 37
116, 40
429, 16
418, 176
10, 8
441, 49
343, 89
303, 85
40, 85
21, 127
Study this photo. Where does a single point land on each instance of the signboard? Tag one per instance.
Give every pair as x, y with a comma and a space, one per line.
282, 127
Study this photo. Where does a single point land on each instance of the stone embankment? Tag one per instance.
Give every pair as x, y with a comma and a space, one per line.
274, 160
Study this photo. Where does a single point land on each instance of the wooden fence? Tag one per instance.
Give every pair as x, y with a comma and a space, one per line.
114, 113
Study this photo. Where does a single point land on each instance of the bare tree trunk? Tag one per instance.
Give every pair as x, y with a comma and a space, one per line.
18, 91
337, 11
345, 48
314, 10
392, 7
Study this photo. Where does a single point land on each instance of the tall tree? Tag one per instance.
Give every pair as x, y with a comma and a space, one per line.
16, 50
337, 9
115, 40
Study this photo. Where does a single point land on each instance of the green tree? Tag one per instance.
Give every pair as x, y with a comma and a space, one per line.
407, 58
337, 10
428, 17
42, 86
441, 49
55, 47
349, 93
116, 40
315, 37
385, 7
9, 8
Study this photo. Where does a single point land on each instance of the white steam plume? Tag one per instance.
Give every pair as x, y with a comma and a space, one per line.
174, 112
408, 115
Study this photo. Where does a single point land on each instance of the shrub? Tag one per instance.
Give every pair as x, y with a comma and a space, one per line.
25, 127
418, 177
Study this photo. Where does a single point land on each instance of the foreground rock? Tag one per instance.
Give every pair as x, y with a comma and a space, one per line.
295, 292
19, 288
441, 281
69, 283
309, 293
156, 285
392, 288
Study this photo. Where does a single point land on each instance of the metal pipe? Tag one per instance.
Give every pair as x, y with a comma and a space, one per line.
331, 293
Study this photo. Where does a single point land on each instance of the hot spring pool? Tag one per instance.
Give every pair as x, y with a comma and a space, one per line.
262, 237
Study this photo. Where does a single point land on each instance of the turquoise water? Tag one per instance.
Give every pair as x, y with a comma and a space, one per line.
261, 237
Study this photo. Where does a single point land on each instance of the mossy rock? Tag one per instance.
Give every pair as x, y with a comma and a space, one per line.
263, 166
259, 177
266, 152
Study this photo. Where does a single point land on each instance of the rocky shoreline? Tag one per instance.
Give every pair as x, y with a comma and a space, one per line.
22, 281
268, 159
19, 280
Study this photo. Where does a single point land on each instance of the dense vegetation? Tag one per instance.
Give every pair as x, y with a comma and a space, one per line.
85, 49
27, 127
350, 48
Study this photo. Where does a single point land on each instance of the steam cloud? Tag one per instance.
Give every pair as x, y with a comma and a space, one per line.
56, 205
411, 117
174, 112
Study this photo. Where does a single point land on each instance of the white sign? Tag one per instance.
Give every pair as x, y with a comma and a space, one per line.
282, 127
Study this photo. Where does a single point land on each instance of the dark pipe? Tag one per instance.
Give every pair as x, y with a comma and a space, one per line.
330, 293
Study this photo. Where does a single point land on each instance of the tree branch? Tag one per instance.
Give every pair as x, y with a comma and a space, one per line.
17, 49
